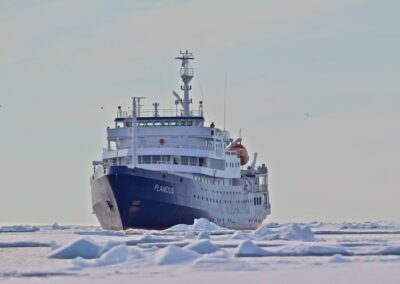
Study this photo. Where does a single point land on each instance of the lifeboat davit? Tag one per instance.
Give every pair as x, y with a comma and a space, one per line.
241, 150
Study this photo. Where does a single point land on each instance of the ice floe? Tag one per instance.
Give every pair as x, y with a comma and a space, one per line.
249, 249
201, 224
19, 229
338, 258
239, 235
203, 235
56, 226
109, 245
152, 239
23, 244
202, 246
279, 245
84, 247
290, 233
307, 249
387, 250
367, 225
174, 255
101, 232
115, 255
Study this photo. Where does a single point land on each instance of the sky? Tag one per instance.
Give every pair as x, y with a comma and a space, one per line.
312, 84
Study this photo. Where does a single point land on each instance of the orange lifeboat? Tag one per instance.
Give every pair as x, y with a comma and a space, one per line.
241, 150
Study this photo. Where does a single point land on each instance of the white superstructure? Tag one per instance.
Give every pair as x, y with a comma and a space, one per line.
178, 142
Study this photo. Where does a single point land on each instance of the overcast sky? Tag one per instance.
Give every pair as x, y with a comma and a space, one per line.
314, 86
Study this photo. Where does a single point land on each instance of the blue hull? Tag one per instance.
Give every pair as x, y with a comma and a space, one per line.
143, 199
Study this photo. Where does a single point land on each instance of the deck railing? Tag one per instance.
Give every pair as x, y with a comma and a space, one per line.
160, 113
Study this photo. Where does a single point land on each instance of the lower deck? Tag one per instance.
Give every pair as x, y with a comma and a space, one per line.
149, 199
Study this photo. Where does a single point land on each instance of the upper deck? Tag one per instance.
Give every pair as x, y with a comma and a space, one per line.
171, 139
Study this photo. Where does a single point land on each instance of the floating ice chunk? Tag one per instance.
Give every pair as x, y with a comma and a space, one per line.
174, 255
189, 235
203, 235
149, 238
135, 231
102, 232
367, 225
272, 225
388, 250
338, 258
249, 249
19, 229
264, 230
109, 245
54, 245
80, 262
85, 248
238, 235
115, 255
201, 224
135, 253
315, 224
302, 249
23, 244
297, 232
202, 247
179, 227
293, 232
56, 226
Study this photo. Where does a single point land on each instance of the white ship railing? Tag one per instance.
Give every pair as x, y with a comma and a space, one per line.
160, 113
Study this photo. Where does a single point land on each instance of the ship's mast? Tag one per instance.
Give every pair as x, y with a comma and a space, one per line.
186, 74
135, 114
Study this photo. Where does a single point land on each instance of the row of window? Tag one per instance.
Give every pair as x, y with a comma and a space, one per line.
182, 160
257, 200
209, 180
151, 123
175, 160
222, 220
223, 192
232, 164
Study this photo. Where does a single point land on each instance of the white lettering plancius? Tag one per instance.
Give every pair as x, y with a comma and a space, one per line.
164, 189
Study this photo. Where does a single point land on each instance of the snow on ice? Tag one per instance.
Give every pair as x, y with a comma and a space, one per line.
290, 233
175, 255
249, 249
84, 247
201, 247
201, 224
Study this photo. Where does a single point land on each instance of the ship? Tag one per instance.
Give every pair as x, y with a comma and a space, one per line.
164, 167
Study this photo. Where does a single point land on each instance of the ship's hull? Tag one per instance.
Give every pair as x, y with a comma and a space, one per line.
126, 198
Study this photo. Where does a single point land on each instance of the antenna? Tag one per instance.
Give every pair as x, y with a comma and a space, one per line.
156, 109
138, 105
224, 105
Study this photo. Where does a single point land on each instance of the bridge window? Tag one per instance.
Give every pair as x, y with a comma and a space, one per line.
193, 161
146, 159
185, 160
